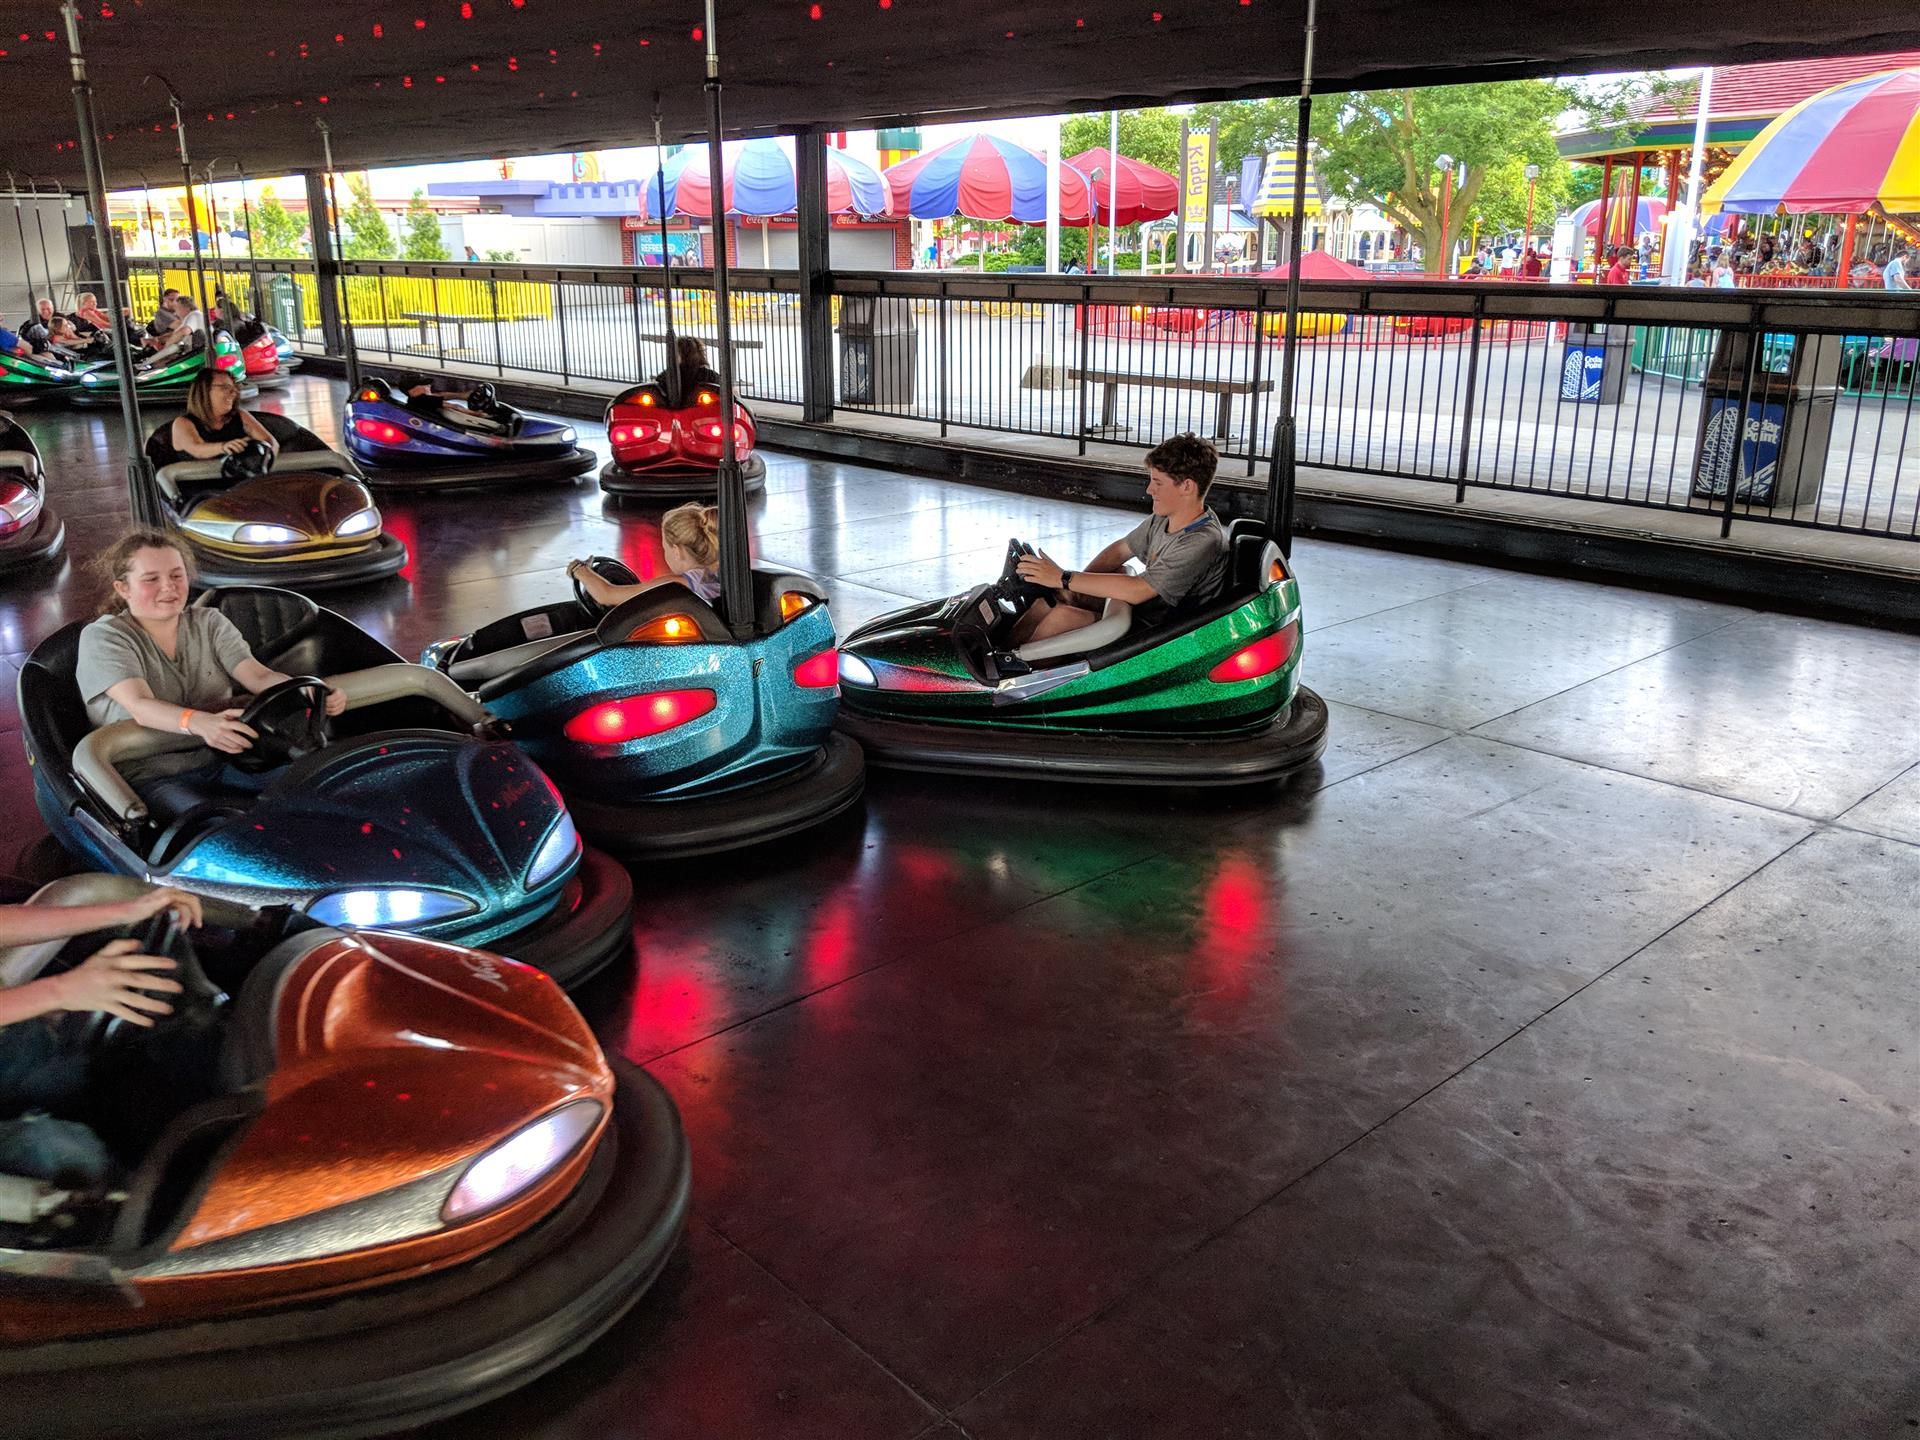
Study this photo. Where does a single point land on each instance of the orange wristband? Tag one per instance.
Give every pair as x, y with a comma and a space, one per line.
186, 722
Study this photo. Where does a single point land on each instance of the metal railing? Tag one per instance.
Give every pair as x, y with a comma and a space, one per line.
1769, 405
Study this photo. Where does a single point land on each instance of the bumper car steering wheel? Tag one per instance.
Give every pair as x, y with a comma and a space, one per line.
1010, 587
198, 1004
288, 720
608, 569
248, 463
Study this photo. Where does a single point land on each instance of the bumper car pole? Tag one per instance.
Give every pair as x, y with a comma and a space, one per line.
203, 300
145, 499
675, 396
340, 280
736, 578
1280, 483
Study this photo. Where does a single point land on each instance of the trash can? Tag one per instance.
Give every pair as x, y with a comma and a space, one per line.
1788, 423
1594, 368
282, 308
879, 350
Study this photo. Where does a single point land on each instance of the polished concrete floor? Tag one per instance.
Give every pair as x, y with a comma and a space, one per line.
1546, 1065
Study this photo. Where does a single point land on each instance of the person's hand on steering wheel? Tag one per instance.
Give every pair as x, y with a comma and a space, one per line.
222, 730
336, 701
585, 578
118, 980
184, 904
1041, 569
232, 447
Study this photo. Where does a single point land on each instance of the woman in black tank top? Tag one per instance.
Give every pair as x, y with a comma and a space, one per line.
214, 424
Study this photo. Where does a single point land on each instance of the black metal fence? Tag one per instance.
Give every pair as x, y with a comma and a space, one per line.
1792, 408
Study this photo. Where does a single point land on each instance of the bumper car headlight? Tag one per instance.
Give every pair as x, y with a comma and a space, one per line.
522, 1160
395, 907
359, 523
89, 379
566, 435
266, 535
18, 504
855, 671
560, 846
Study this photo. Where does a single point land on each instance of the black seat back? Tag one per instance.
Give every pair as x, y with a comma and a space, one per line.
1246, 552
291, 634
52, 713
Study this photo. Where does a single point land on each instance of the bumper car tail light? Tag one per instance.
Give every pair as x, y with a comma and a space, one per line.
792, 602
1262, 657
705, 397
18, 504
665, 630
522, 1160
380, 431
367, 394
1276, 572
398, 907
855, 671
266, 535
555, 852
648, 399
614, 722
819, 672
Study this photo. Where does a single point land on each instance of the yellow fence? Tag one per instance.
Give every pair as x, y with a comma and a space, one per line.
371, 299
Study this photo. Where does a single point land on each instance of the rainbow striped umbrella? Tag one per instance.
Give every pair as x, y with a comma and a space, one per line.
1648, 212
1841, 152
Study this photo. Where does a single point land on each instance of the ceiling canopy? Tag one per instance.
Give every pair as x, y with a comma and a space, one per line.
403, 81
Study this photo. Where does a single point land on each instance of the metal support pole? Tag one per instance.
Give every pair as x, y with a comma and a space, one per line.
186, 176
46, 259
26, 256
816, 303
1281, 484
675, 399
140, 487
736, 565
350, 344
1466, 410
326, 263
1180, 215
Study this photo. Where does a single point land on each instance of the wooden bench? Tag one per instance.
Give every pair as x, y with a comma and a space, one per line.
1111, 381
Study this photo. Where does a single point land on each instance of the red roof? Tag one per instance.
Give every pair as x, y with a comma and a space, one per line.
1773, 89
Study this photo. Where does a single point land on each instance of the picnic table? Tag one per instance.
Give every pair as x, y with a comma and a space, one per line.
1111, 380
437, 319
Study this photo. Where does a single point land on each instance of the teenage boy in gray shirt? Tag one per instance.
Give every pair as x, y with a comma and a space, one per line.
1182, 542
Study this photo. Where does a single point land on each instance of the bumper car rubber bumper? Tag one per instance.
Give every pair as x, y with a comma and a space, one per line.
385, 557
574, 943
831, 782
677, 482
1291, 742
400, 1356
44, 540
107, 397
473, 476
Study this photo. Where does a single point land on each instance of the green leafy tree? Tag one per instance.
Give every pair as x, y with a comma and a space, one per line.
1383, 146
275, 234
367, 236
420, 237
1149, 136
1247, 127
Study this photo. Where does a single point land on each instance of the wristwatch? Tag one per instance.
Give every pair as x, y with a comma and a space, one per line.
1066, 579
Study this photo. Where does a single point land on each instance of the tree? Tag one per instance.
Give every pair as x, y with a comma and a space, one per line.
1383, 146
367, 236
421, 236
1149, 136
1247, 127
275, 234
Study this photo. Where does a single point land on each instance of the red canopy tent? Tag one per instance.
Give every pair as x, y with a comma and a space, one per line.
1318, 265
